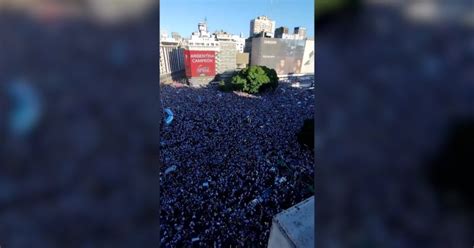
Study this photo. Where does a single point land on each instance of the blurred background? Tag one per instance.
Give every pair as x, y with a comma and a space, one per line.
79, 115
79, 123
395, 112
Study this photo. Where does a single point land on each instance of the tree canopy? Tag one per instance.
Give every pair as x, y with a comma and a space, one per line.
254, 79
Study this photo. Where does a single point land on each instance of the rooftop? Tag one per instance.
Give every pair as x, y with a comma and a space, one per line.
297, 223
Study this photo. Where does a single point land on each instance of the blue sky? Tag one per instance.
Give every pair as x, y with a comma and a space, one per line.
234, 16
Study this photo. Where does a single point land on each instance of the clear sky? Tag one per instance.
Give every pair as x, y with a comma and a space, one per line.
234, 16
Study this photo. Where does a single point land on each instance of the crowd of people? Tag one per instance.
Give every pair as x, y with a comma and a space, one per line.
237, 164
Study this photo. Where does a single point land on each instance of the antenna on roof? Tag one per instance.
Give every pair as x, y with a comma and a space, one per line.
205, 19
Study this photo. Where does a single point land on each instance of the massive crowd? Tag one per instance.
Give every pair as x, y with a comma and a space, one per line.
236, 164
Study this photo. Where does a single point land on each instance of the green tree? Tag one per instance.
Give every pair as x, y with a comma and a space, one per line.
253, 80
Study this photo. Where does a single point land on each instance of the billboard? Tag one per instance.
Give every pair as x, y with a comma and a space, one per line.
200, 63
283, 55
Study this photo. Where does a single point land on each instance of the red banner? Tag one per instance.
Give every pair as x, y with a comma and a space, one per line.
200, 63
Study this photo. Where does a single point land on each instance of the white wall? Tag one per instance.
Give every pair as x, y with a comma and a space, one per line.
308, 57
277, 238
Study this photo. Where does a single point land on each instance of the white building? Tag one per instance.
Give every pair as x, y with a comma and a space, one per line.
292, 37
201, 40
171, 55
164, 37
240, 42
300, 31
262, 24
202, 32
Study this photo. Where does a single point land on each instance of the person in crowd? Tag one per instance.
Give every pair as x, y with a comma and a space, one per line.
224, 190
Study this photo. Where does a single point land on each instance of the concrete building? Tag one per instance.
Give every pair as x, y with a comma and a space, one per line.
171, 61
202, 32
200, 56
280, 31
248, 45
300, 31
263, 34
292, 37
294, 227
239, 42
176, 36
298, 34
222, 36
209, 54
226, 59
171, 57
243, 60
262, 24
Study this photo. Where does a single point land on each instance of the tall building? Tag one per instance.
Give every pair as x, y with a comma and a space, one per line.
226, 55
226, 58
202, 31
262, 24
239, 42
164, 35
280, 31
209, 54
171, 58
200, 56
222, 36
175, 36
300, 31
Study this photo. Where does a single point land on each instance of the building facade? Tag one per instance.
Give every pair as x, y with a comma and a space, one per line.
300, 31
239, 42
171, 56
171, 59
227, 54
242, 60
226, 59
298, 34
209, 54
200, 56
262, 24
284, 55
176, 36
280, 31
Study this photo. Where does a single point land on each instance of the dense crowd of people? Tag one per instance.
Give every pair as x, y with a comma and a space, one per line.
237, 164
86, 175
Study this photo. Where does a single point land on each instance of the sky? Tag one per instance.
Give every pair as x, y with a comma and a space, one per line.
233, 16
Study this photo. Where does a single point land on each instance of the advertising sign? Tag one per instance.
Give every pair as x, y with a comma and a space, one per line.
200, 63
285, 56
